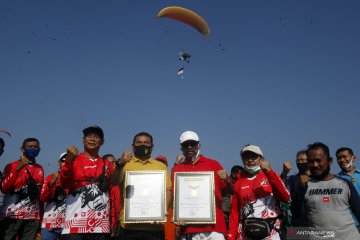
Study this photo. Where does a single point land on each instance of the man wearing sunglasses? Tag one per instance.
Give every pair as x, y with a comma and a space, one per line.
194, 162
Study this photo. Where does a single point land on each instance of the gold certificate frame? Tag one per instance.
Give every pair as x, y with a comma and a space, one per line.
194, 198
145, 197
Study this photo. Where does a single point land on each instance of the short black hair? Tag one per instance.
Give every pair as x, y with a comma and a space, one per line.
342, 149
143, 134
94, 129
235, 169
2, 142
30, 140
317, 145
301, 152
108, 155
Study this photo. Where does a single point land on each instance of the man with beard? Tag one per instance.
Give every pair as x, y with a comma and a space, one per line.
346, 160
296, 184
142, 161
21, 185
85, 175
255, 210
53, 195
329, 198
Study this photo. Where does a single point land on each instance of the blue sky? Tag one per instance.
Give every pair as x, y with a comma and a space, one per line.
278, 74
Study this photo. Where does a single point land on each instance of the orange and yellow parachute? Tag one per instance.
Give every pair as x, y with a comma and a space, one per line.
4, 131
186, 16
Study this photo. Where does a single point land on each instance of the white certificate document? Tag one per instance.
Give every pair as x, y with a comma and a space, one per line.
145, 196
194, 197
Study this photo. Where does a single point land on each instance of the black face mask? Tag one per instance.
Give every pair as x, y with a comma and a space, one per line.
303, 167
322, 176
142, 151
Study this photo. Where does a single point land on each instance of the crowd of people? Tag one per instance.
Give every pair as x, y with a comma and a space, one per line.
86, 198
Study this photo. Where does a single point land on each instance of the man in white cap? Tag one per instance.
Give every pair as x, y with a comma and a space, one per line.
194, 162
255, 211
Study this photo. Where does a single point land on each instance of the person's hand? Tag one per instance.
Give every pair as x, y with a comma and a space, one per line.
115, 230
179, 159
72, 153
177, 231
158, 223
222, 174
125, 157
303, 180
55, 177
23, 162
265, 166
181, 222
287, 166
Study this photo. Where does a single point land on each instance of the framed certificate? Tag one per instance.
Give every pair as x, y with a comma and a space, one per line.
194, 197
145, 198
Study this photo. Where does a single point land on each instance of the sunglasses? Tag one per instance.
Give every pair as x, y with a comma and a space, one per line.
189, 144
249, 156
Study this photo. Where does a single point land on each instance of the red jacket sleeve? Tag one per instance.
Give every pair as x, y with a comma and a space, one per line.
67, 175
39, 176
46, 191
234, 218
9, 178
114, 193
115, 205
278, 186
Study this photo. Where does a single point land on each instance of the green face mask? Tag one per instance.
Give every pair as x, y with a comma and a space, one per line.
253, 169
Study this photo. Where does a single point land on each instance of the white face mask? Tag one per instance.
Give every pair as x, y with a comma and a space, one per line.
349, 165
252, 169
196, 156
192, 159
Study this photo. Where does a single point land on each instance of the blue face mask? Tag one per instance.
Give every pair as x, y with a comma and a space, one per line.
31, 153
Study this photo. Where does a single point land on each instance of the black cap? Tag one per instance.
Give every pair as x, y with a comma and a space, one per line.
94, 129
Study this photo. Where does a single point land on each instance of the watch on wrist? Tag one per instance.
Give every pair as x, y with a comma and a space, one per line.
118, 163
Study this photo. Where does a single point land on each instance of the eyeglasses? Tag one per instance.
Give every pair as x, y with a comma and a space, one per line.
188, 144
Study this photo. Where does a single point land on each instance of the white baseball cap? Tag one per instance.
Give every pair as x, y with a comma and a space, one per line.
63, 155
189, 135
252, 148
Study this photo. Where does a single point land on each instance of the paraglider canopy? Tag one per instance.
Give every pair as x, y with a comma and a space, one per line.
4, 131
186, 16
